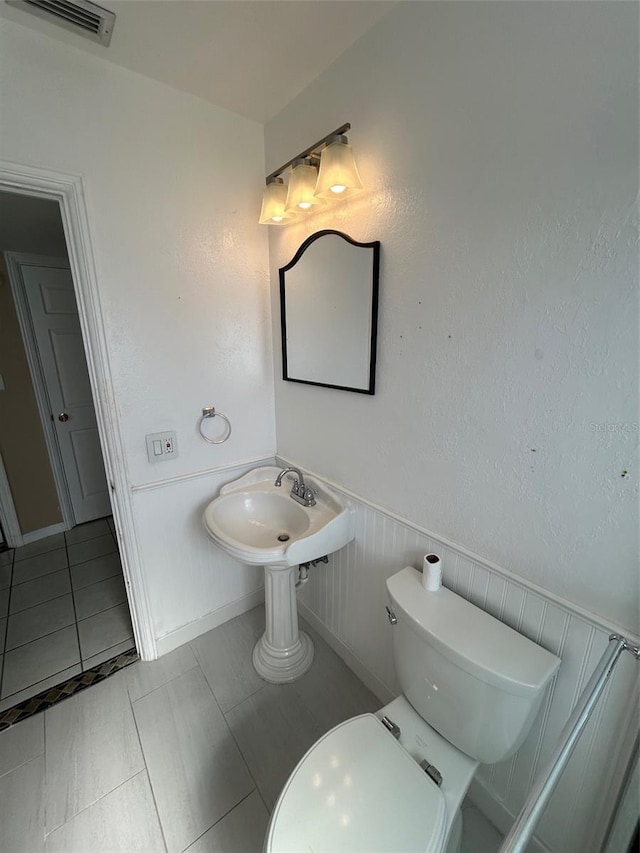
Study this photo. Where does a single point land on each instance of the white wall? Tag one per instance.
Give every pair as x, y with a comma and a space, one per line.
499, 144
172, 186
499, 147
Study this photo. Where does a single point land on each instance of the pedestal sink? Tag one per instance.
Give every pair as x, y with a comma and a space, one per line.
261, 524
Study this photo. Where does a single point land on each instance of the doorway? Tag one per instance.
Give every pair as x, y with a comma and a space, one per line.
47, 313
67, 191
63, 599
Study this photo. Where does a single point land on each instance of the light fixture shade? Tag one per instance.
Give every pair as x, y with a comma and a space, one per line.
302, 184
338, 176
273, 202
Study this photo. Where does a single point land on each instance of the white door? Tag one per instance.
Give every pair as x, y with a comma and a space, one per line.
54, 319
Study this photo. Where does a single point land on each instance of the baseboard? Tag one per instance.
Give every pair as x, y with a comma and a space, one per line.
34, 535
343, 651
191, 630
498, 814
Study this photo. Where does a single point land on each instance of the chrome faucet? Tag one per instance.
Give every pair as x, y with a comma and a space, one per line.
300, 492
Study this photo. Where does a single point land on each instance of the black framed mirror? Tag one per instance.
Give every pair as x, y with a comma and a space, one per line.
329, 313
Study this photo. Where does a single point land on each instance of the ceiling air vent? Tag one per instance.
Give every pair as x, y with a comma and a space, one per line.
80, 16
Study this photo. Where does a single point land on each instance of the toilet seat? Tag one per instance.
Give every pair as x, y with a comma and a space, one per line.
357, 789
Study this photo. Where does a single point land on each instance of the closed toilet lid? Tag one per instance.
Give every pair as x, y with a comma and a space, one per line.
358, 791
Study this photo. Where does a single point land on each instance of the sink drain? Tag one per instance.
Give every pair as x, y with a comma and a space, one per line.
284, 537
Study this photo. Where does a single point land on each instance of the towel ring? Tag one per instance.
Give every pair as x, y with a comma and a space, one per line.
210, 412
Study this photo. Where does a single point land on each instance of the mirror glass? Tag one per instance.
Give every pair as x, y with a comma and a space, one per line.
329, 311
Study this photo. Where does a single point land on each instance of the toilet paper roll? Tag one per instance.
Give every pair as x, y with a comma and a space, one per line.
431, 572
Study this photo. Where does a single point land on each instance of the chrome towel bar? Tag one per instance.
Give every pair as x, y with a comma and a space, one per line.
535, 804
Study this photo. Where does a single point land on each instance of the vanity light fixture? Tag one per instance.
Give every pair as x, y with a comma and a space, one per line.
338, 175
324, 173
273, 203
302, 186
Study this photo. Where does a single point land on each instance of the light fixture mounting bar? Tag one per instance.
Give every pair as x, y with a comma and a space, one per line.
338, 132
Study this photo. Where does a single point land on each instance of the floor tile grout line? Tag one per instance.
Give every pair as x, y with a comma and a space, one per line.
84, 661
153, 796
6, 627
113, 550
222, 817
230, 730
240, 752
23, 763
89, 805
245, 759
45, 717
73, 602
75, 610
86, 586
37, 553
116, 664
100, 612
41, 577
36, 683
24, 609
244, 699
146, 769
164, 683
41, 636
41, 554
88, 538
95, 583
264, 803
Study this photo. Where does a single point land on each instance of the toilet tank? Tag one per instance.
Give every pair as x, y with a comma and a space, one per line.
476, 681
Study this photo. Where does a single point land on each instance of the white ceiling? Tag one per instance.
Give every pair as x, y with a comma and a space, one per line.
250, 56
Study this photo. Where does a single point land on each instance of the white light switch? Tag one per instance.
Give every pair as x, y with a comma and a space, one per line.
161, 446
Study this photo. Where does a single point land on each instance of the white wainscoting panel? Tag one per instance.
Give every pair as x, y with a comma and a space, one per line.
347, 600
192, 584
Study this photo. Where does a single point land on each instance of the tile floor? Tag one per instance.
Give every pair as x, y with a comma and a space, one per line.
187, 753
63, 609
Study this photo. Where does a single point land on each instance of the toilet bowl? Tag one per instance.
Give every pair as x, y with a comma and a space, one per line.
471, 686
360, 789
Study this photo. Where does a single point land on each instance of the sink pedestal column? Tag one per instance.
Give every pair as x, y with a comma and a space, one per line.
282, 653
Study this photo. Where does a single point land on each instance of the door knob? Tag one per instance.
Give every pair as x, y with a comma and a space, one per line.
63, 416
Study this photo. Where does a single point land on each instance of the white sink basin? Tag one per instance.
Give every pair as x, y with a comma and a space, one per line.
260, 524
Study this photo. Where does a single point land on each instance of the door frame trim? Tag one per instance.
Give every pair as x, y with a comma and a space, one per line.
14, 263
68, 191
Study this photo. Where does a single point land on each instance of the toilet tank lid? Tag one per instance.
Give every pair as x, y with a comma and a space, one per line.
472, 638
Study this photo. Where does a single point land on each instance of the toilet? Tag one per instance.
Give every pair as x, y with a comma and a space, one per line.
394, 781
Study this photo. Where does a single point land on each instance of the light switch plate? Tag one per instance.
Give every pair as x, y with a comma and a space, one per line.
161, 446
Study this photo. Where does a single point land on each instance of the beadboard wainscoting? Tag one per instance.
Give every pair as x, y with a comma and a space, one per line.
345, 601
193, 585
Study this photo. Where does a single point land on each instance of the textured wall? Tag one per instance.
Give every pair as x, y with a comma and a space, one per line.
172, 186
499, 145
